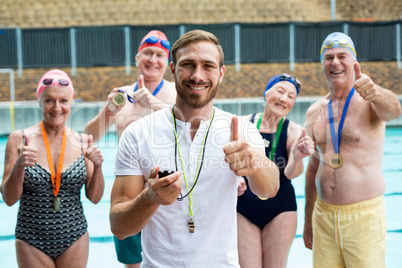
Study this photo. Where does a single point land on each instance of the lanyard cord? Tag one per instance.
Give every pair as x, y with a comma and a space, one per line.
56, 187
336, 139
199, 164
277, 135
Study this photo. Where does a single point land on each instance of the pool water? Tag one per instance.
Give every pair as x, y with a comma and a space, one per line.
102, 252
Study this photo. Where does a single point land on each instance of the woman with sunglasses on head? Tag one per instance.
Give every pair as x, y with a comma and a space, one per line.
267, 227
46, 165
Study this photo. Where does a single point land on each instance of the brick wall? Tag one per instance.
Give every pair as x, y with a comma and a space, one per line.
94, 84
366, 10
55, 13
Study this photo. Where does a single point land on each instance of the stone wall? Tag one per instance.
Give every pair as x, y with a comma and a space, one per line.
55, 13
94, 84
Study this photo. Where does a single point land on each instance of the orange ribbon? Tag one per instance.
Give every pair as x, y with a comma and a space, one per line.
56, 187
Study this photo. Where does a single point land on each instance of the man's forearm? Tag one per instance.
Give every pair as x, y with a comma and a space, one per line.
386, 105
294, 168
265, 181
129, 218
310, 197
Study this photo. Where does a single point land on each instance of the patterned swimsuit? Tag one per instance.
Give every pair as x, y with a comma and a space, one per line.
37, 224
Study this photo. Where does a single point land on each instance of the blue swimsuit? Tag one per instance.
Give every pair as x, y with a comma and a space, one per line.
260, 212
50, 231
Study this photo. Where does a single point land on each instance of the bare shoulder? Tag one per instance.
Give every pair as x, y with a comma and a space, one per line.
293, 127
15, 138
294, 130
33, 133
168, 93
315, 111
318, 105
82, 136
78, 140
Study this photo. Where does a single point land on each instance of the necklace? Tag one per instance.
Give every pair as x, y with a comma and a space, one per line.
336, 160
55, 184
197, 172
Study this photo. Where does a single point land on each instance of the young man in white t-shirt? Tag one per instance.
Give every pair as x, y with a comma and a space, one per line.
188, 218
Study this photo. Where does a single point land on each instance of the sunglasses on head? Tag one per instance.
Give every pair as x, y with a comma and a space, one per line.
284, 77
341, 43
291, 79
49, 81
154, 40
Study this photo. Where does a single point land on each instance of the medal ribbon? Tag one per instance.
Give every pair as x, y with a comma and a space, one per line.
199, 164
56, 187
277, 135
336, 141
132, 100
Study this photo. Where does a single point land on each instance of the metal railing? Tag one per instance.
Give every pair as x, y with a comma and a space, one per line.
241, 42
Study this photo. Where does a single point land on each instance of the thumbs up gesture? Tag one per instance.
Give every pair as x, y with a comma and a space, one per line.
142, 95
364, 85
28, 155
93, 153
239, 154
305, 145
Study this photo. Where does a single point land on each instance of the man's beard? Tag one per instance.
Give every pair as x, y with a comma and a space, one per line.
194, 100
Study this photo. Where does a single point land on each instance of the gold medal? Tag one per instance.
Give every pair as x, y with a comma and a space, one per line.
263, 199
335, 161
118, 99
56, 203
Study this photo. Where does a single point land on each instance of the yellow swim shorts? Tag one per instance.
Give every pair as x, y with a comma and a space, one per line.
351, 235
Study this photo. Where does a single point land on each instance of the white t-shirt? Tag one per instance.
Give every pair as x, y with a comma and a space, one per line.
166, 240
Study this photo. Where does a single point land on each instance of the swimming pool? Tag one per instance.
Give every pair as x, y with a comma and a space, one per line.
102, 253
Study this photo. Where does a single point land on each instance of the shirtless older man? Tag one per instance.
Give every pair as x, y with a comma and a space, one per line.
150, 93
345, 211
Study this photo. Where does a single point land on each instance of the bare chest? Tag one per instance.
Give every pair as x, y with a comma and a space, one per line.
350, 131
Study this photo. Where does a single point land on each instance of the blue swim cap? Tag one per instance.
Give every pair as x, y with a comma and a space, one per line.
338, 39
283, 77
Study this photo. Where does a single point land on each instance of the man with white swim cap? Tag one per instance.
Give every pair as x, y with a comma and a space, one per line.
345, 211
